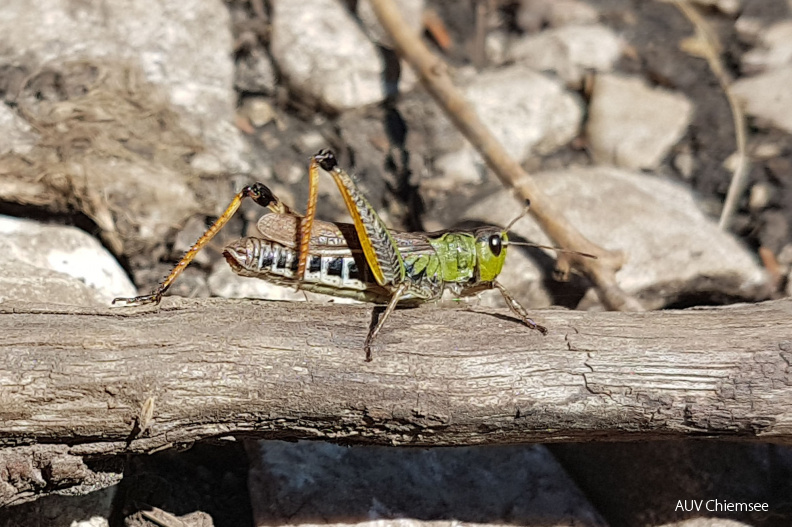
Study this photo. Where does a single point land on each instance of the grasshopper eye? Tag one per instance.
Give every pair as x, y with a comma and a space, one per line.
495, 244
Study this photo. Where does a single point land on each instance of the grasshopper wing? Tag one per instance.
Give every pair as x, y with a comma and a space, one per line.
284, 229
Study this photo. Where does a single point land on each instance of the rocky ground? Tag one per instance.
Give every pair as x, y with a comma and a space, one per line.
125, 129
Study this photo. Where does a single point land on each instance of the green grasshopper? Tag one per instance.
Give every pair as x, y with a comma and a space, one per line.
364, 260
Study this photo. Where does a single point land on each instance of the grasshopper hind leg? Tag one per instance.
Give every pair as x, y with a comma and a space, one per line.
518, 309
257, 192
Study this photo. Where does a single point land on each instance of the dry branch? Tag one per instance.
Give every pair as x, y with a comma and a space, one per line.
78, 383
433, 73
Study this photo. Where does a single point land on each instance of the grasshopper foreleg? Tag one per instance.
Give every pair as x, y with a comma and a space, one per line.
518, 309
257, 192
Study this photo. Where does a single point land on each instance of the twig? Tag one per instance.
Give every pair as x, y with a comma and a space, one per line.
73, 380
709, 48
434, 75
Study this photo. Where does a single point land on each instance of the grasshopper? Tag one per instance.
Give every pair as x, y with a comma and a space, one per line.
364, 260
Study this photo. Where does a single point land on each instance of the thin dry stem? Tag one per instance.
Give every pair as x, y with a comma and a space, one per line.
710, 48
433, 73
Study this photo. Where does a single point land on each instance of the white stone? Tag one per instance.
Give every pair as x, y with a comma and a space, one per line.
411, 11
569, 51
532, 15
759, 196
527, 111
464, 167
768, 97
258, 110
68, 257
632, 125
183, 46
672, 248
17, 135
773, 49
321, 50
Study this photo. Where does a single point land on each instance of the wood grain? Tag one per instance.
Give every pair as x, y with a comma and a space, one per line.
101, 383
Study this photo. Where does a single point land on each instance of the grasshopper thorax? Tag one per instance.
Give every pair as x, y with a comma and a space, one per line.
491, 245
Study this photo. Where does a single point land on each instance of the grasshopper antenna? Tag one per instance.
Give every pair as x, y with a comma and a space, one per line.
523, 214
550, 247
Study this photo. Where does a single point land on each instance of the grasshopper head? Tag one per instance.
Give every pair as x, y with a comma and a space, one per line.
491, 245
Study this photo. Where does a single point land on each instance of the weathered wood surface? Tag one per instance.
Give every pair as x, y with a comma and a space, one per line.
80, 378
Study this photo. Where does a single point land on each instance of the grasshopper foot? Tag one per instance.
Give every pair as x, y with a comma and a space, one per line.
153, 298
533, 325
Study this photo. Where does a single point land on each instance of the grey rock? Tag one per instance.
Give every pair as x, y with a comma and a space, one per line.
323, 53
411, 11
528, 112
56, 264
88, 510
532, 15
767, 96
307, 483
632, 125
258, 110
569, 51
255, 73
727, 7
17, 135
182, 46
773, 49
672, 248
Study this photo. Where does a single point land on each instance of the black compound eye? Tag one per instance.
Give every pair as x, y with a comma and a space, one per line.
495, 244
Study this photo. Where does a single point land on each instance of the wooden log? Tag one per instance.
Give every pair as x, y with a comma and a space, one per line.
77, 383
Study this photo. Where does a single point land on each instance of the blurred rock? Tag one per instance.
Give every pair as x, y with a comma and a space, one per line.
528, 112
56, 264
759, 196
158, 36
258, 110
644, 481
411, 11
22, 282
685, 163
88, 510
727, 7
632, 125
773, 49
533, 15
570, 51
125, 117
16, 134
767, 96
706, 522
322, 52
254, 73
463, 167
673, 251
314, 483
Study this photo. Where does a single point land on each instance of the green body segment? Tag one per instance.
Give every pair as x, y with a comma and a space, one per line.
463, 258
